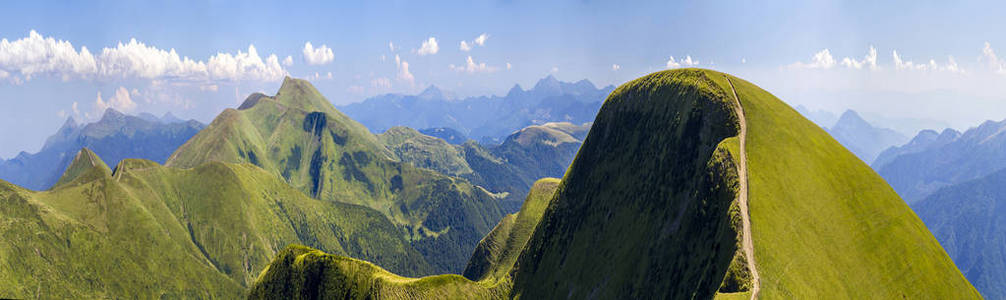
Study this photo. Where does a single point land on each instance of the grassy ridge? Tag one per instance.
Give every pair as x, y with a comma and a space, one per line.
204, 232
299, 136
497, 252
824, 224
300, 272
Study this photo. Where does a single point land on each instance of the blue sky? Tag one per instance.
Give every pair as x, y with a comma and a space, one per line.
46, 77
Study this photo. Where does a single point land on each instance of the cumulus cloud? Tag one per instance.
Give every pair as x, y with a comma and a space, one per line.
481, 39
403, 70
136, 59
993, 61
121, 101
245, 66
471, 67
381, 83
36, 55
478, 41
687, 62
317, 56
821, 60
615, 67
429, 47
904, 64
870, 60
40, 55
288, 61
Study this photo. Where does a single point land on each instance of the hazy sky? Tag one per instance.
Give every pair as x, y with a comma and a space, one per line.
197, 58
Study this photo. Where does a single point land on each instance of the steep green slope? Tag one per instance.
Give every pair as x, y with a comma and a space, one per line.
298, 135
497, 252
969, 220
649, 209
824, 224
147, 231
648, 195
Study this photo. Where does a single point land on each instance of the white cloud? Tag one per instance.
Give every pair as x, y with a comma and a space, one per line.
615, 67
870, 60
391, 46
288, 61
38, 55
554, 70
35, 55
76, 109
821, 60
478, 41
687, 62
329, 75
993, 61
481, 39
136, 59
245, 66
903, 64
121, 101
508, 66
381, 83
429, 47
317, 56
472, 67
744, 60
4, 74
403, 70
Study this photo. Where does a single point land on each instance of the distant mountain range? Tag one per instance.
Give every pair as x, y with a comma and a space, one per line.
488, 118
862, 138
114, 137
969, 220
932, 161
509, 168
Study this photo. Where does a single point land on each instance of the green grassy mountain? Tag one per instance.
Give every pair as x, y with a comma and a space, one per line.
498, 251
299, 136
148, 231
969, 220
691, 184
300, 271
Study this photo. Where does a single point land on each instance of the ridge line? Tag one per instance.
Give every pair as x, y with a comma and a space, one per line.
746, 240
